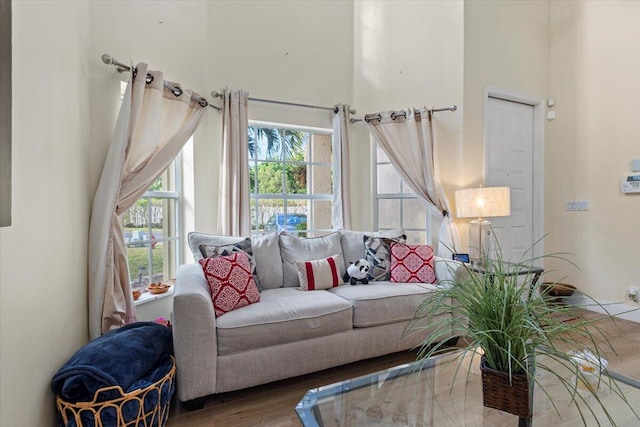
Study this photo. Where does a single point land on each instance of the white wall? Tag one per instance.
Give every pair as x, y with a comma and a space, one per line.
594, 78
281, 50
65, 104
43, 308
374, 55
407, 54
506, 46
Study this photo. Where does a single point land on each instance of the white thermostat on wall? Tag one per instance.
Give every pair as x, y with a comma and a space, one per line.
631, 184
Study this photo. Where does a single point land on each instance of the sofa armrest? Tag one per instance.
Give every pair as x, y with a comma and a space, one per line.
447, 270
194, 334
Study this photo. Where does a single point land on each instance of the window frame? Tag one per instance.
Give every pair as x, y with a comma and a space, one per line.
402, 195
173, 174
285, 197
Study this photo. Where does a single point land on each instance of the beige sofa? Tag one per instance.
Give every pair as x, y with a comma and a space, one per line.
289, 332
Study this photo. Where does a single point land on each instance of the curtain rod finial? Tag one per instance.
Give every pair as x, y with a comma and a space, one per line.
107, 59
453, 107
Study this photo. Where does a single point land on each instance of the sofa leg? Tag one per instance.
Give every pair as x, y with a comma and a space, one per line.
195, 404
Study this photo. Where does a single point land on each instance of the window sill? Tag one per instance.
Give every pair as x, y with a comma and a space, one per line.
148, 297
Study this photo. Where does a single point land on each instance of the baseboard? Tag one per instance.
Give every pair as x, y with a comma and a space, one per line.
616, 309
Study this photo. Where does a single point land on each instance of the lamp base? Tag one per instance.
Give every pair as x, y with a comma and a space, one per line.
479, 240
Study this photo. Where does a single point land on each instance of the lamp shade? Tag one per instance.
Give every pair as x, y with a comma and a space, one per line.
483, 202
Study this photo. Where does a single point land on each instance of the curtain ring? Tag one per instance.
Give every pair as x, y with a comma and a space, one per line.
149, 78
177, 91
393, 116
203, 102
135, 72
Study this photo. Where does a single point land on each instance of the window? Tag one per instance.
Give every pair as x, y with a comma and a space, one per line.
151, 228
151, 231
291, 179
397, 205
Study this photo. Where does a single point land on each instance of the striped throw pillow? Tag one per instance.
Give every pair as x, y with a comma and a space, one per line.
319, 274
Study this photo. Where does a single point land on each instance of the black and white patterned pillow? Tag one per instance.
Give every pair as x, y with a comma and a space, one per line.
213, 251
378, 255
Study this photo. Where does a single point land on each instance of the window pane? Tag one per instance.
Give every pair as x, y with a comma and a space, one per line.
268, 211
322, 215
294, 145
252, 177
296, 179
255, 223
389, 213
157, 208
162, 253
388, 180
405, 188
297, 165
322, 179
160, 183
414, 214
264, 143
321, 148
137, 216
382, 156
270, 178
416, 237
138, 266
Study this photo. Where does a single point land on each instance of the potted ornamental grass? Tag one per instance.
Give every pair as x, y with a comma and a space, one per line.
499, 316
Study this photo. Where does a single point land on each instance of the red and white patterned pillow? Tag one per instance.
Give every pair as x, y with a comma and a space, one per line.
412, 264
230, 282
319, 274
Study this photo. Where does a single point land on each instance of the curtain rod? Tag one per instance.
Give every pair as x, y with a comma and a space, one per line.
215, 94
109, 60
396, 114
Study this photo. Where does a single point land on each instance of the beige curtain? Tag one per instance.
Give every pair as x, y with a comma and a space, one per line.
156, 119
234, 217
341, 174
408, 143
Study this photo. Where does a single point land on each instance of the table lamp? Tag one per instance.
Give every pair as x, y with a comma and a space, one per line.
480, 203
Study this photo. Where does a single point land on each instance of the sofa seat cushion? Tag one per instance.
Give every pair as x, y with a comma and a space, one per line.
283, 315
380, 303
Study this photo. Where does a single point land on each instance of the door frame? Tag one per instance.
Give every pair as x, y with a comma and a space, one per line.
539, 108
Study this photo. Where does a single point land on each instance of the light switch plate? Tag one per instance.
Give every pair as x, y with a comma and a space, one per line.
577, 205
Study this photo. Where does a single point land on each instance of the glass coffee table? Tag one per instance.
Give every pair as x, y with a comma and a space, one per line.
425, 394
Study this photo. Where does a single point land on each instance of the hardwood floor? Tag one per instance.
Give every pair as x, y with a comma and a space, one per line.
273, 404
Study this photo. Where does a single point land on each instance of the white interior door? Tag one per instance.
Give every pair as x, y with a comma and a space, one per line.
509, 162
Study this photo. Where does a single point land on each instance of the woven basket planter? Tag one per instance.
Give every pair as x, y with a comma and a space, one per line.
146, 407
500, 393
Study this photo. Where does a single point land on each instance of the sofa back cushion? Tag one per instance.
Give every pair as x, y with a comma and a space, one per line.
196, 239
353, 246
266, 254
293, 248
